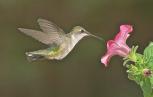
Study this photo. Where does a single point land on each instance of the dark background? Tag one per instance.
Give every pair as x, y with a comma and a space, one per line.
80, 74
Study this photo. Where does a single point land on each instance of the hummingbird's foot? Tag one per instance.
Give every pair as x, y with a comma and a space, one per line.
33, 57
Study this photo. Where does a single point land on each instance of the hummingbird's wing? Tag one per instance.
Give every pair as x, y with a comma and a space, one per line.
53, 34
50, 28
38, 35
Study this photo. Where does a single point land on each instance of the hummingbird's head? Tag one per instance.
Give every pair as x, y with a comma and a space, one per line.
79, 31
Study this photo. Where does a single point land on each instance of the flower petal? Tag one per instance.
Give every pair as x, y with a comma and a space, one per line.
126, 28
105, 59
122, 36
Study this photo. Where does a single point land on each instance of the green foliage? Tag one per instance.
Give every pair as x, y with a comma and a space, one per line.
148, 55
149, 50
146, 87
140, 68
134, 73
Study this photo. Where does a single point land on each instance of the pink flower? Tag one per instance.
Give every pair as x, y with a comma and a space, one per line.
118, 46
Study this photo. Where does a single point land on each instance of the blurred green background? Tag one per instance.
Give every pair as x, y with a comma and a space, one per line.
80, 74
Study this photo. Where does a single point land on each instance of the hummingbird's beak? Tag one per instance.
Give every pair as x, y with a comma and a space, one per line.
95, 36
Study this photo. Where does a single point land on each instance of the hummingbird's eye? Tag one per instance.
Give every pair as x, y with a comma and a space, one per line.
82, 31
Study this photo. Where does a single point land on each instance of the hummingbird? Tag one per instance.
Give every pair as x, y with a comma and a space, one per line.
60, 44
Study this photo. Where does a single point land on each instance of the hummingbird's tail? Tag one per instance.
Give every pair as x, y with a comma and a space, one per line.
33, 57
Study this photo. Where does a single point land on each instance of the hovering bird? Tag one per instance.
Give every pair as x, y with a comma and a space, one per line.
60, 44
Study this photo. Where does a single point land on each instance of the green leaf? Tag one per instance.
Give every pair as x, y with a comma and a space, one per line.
148, 53
151, 80
146, 87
